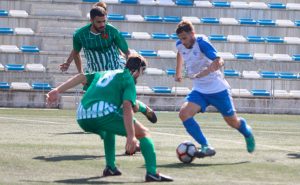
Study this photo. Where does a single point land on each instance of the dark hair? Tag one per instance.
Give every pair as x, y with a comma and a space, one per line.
97, 11
184, 26
136, 62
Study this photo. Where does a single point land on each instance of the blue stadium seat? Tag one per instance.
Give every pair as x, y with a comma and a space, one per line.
148, 53
116, 17
41, 86
287, 75
244, 56
14, 67
3, 13
210, 20
255, 39
160, 36
259, 92
277, 5
221, 4
90, 1
153, 18
218, 37
170, 71
4, 86
231, 72
172, 19
126, 34
274, 39
161, 89
174, 36
297, 23
266, 22
268, 74
6, 31
31, 49
184, 2
128, 1
296, 57
248, 21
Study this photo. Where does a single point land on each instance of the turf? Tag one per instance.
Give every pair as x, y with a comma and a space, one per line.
48, 147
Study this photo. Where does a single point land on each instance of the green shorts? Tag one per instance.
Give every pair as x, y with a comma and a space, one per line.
112, 123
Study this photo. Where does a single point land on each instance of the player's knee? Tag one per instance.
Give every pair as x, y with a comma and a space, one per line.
234, 123
143, 133
135, 108
183, 115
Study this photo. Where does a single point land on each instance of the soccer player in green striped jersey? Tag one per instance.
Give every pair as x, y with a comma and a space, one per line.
107, 106
102, 43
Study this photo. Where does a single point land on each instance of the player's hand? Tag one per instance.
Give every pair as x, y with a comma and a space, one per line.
216, 65
64, 66
131, 143
178, 78
52, 97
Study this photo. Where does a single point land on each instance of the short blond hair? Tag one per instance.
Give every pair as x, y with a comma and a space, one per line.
101, 4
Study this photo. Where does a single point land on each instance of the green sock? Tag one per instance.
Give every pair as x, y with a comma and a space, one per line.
110, 151
142, 106
148, 151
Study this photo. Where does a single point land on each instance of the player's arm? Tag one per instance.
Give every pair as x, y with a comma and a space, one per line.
211, 53
121, 43
214, 66
126, 54
78, 61
179, 63
53, 95
77, 46
129, 126
65, 66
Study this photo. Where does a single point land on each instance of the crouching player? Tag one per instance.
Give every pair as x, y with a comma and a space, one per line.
107, 106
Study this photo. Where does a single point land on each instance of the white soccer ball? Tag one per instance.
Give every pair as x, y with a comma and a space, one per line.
185, 151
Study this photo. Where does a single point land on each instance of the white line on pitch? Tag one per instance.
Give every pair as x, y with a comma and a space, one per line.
161, 133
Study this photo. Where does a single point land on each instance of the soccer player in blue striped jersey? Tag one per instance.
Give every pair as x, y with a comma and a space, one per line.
202, 65
107, 107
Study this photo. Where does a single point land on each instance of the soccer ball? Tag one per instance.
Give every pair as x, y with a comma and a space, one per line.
185, 151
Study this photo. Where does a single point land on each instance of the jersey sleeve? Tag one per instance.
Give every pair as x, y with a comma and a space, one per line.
76, 42
206, 48
89, 79
129, 89
120, 41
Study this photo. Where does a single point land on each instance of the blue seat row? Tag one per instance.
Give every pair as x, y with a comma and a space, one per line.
239, 56
264, 74
35, 86
268, 39
204, 20
24, 48
219, 4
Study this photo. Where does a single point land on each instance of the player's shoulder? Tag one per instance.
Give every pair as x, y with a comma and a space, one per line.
126, 75
202, 39
111, 27
178, 42
83, 29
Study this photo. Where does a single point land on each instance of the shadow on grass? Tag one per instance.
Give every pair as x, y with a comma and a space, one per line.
89, 180
183, 165
72, 133
71, 157
293, 155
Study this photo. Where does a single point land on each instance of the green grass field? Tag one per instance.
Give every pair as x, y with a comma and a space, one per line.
48, 147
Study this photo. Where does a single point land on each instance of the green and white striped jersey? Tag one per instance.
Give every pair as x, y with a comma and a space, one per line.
101, 50
106, 92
